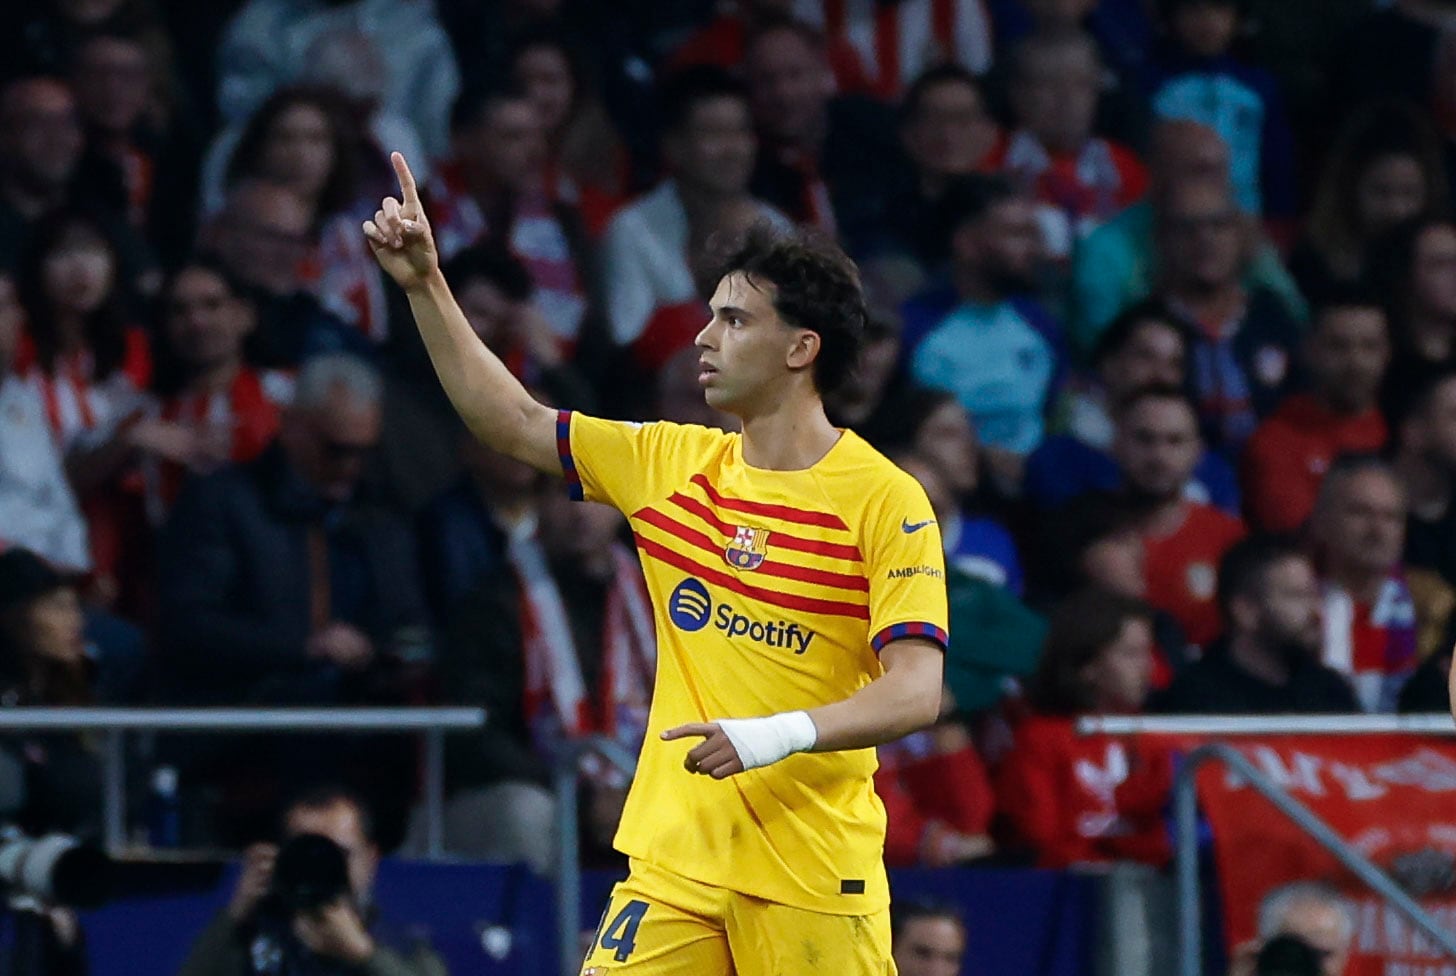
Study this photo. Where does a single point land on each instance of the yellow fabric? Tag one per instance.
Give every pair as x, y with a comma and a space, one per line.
660, 924
768, 588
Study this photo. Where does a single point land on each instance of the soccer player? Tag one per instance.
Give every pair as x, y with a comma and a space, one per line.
798, 596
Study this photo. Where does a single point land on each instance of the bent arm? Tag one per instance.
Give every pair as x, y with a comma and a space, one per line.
905, 699
492, 402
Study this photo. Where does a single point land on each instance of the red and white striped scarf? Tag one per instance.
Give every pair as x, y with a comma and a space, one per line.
557, 702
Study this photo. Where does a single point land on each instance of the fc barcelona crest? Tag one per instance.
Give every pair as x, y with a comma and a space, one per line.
748, 547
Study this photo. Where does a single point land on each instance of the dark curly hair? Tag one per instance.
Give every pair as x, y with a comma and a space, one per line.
815, 286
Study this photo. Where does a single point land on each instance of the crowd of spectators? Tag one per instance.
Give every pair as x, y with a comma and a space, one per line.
1164, 320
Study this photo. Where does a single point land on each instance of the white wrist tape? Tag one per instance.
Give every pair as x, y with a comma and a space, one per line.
762, 741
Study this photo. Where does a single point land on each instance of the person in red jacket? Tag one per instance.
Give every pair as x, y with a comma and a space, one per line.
1071, 799
1346, 355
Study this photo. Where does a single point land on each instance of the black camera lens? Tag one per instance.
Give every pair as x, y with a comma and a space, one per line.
311, 872
1287, 955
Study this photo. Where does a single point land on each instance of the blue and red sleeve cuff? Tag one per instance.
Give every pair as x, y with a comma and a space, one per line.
563, 451
895, 632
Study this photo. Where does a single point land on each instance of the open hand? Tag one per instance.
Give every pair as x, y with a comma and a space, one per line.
400, 234
714, 756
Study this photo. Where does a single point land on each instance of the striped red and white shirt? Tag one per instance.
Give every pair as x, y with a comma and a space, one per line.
898, 42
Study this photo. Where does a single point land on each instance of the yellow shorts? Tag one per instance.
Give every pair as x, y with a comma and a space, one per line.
661, 924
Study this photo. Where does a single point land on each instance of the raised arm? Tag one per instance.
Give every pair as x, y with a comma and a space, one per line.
492, 402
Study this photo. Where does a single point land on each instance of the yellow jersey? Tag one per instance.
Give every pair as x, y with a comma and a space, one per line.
771, 591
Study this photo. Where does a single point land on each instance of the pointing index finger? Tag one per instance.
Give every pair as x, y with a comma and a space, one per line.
406, 180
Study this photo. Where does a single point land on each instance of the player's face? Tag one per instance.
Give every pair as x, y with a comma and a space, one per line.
746, 349
1158, 447
930, 947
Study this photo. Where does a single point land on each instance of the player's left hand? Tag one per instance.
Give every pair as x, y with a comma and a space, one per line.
714, 756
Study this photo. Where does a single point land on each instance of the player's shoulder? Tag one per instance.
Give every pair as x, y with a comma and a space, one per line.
863, 478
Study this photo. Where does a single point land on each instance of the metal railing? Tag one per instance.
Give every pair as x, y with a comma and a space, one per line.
1185, 805
115, 723
568, 853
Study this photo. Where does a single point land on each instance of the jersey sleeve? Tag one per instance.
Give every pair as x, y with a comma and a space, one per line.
626, 465
906, 566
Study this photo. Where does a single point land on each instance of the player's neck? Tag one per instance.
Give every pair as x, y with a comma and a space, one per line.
791, 436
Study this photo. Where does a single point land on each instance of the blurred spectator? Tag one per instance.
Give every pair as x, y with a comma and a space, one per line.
648, 255
1096, 541
721, 42
268, 44
1078, 179
495, 190
346, 935
934, 427
465, 532
868, 400
1312, 911
264, 237
981, 336
1117, 265
557, 643
204, 384
38, 509
1358, 533
1416, 272
998, 640
929, 939
1346, 353
589, 163
1157, 447
937, 797
827, 161
1385, 169
498, 298
1268, 662
1244, 337
1146, 346
946, 131
1072, 799
1199, 76
44, 661
304, 140
113, 83
898, 41
1426, 461
276, 584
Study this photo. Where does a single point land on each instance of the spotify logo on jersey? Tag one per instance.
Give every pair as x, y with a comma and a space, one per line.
690, 606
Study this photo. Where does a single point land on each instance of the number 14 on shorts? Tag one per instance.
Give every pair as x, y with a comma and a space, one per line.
620, 934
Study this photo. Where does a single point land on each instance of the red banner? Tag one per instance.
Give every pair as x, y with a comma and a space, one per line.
1392, 797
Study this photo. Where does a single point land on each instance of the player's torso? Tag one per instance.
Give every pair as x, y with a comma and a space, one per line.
761, 601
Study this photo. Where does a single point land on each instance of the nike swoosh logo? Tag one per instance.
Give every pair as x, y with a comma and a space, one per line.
911, 527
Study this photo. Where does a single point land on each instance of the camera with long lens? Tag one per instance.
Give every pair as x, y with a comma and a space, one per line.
56, 869
310, 872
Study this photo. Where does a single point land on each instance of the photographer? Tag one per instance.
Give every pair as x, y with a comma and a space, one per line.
258, 933
1308, 911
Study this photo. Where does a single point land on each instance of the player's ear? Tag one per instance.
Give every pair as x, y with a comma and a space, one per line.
804, 350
